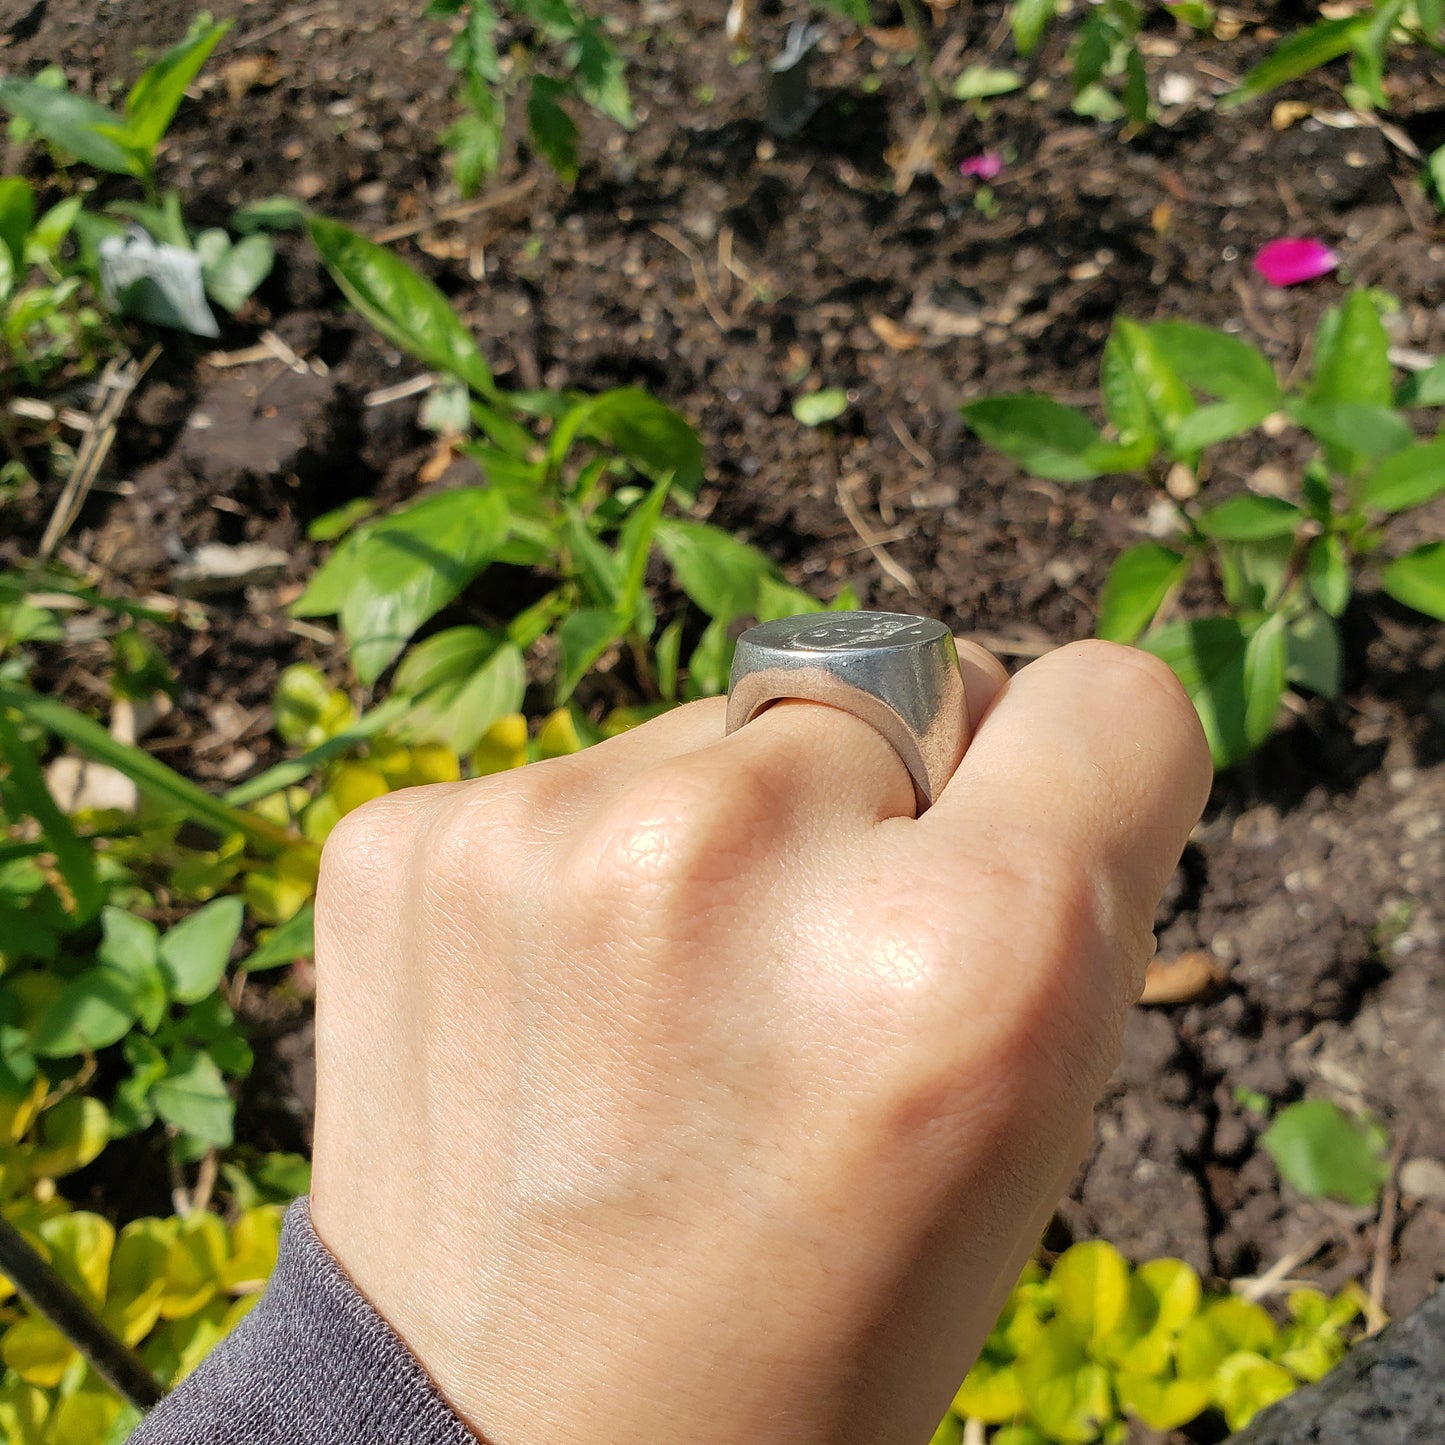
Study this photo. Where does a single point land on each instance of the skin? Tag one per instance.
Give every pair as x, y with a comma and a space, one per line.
690, 1088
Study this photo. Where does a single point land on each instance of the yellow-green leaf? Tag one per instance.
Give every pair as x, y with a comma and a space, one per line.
37, 1352
72, 1134
1245, 1383
194, 1262
1090, 1286
1162, 1404
80, 1246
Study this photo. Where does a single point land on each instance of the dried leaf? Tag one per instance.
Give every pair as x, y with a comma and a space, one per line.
1182, 979
893, 335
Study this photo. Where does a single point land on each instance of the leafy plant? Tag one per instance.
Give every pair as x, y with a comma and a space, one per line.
171, 1288
1326, 1153
1284, 568
1093, 1342
123, 143
565, 60
576, 491
1366, 38
48, 319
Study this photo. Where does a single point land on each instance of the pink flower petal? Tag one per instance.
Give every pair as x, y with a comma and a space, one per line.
985, 166
1288, 260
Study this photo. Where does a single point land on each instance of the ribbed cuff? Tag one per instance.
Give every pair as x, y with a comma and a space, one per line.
312, 1364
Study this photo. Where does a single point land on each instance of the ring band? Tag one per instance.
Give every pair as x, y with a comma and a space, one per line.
899, 674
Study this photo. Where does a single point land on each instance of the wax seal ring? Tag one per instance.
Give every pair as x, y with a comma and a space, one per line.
897, 673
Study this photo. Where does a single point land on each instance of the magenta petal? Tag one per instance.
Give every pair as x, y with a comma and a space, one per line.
985, 166
1289, 260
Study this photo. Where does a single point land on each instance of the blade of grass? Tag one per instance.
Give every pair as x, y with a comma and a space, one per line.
73, 856
297, 770
149, 774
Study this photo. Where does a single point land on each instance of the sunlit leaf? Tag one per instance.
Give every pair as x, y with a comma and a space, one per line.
1326, 1153
403, 305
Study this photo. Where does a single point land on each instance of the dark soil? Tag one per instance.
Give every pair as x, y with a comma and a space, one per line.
1315, 880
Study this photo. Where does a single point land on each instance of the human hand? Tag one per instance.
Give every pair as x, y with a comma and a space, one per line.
691, 1088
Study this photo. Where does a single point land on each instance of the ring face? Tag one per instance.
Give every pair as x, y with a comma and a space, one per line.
896, 672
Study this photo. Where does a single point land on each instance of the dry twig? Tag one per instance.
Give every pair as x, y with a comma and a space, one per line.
1385, 1240
705, 293
119, 379
462, 211
896, 570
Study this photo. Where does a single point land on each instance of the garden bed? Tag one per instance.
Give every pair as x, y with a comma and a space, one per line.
1314, 882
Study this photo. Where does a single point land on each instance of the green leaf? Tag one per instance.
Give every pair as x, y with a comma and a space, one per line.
1028, 20
17, 216
194, 1099
75, 125
719, 573
1425, 388
92, 1012
1090, 1288
296, 938
405, 307
1246, 1383
155, 97
472, 679
73, 1133
1230, 686
234, 274
270, 213
1250, 519
1354, 433
818, 408
1326, 1153
1351, 355
130, 946
1406, 479
583, 636
74, 857
553, 131
598, 74
1224, 1327
1265, 665
399, 571
983, 82
1312, 653
52, 228
1049, 439
1418, 579
858, 11
635, 547
151, 776
1328, 571
1140, 580
1067, 1393
1217, 363
653, 437
1299, 55
1162, 1403
195, 952
1143, 395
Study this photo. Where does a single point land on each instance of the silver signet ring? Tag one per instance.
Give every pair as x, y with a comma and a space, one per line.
897, 673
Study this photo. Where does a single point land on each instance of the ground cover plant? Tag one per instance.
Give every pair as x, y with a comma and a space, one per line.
627, 448
1285, 565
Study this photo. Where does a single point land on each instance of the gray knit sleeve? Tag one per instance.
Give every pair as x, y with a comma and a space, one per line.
312, 1364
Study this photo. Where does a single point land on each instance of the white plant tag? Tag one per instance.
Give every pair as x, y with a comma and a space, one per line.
155, 282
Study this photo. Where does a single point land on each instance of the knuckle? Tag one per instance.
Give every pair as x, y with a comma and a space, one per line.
681, 832
365, 849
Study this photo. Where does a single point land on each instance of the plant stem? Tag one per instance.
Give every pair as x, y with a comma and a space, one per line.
44, 1290
932, 95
